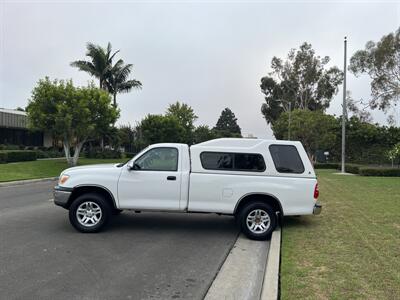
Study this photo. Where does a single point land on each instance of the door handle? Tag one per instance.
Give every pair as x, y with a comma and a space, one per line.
171, 178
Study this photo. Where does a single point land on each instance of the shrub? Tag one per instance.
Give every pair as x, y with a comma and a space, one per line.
326, 166
129, 154
17, 155
41, 154
394, 154
350, 168
106, 153
3, 157
10, 147
361, 170
49, 153
370, 171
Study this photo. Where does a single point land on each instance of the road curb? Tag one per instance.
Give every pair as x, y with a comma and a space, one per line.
270, 288
21, 182
241, 275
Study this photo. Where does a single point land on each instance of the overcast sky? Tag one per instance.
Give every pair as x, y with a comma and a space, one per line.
210, 55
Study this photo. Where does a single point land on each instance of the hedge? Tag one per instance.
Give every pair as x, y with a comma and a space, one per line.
7, 156
351, 168
49, 153
326, 166
361, 170
106, 153
11, 147
129, 154
3, 157
387, 172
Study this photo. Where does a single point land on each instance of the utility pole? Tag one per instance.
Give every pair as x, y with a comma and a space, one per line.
290, 119
344, 113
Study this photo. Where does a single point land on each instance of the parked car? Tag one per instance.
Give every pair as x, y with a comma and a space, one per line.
257, 181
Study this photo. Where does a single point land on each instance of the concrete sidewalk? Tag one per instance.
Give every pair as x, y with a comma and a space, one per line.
250, 271
27, 181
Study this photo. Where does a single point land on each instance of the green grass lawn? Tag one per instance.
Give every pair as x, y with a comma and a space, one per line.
351, 250
42, 168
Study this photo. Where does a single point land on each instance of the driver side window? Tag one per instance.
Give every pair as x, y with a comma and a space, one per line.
158, 159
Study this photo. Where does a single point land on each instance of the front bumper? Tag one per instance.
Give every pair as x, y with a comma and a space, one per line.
61, 196
317, 209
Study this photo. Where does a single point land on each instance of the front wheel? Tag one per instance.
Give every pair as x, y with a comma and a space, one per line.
258, 220
89, 213
117, 212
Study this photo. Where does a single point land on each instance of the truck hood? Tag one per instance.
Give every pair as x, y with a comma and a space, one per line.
90, 167
105, 175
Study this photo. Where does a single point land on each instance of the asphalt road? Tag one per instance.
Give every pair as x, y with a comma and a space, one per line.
140, 256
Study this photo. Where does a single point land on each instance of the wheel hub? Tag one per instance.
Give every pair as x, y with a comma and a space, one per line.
89, 214
258, 221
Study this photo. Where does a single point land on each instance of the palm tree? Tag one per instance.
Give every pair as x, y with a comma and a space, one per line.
117, 80
99, 64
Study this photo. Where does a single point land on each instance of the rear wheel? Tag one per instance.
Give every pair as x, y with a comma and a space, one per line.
258, 220
89, 213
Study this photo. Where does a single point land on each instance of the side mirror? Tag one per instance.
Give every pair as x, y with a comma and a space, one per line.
134, 166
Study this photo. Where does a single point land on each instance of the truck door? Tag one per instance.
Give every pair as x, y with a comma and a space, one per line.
153, 181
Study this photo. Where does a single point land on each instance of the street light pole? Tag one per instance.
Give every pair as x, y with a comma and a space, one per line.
290, 118
344, 113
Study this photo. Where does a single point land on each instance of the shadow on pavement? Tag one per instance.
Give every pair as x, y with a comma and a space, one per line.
172, 222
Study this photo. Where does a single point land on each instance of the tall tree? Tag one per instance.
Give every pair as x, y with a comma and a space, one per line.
127, 136
186, 118
302, 81
161, 129
113, 78
353, 107
203, 133
381, 61
99, 64
366, 142
227, 124
117, 80
72, 114
314, 129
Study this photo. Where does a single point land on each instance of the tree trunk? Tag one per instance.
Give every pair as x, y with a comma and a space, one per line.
67, 152
115, 100
78, 148
310, 157
72, 160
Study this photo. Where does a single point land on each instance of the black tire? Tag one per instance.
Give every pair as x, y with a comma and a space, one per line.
249, 209
99, 202
117, 211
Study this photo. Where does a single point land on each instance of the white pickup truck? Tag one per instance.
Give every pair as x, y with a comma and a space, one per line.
257, 181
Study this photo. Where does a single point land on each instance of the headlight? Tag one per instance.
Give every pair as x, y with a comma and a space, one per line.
63, 179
